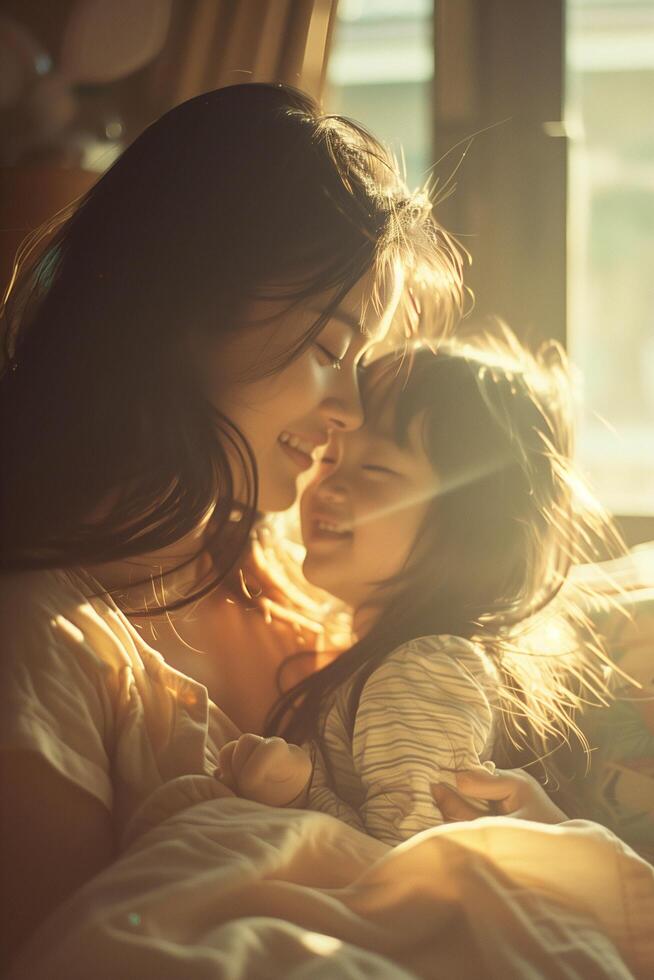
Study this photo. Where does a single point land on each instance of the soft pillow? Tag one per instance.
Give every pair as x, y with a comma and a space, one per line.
618, 791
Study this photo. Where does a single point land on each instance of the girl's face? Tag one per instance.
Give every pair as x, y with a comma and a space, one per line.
286, 417
362, 509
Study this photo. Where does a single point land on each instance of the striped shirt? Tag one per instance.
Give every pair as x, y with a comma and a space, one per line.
425, 712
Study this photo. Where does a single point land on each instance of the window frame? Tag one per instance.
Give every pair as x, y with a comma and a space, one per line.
499, 73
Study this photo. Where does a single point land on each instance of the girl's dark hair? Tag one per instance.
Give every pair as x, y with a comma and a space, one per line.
110, 447
508, 519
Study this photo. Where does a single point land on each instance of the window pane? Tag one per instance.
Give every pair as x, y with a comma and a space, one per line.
610, 118
380, 73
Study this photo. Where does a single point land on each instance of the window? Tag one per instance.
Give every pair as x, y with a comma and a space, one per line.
380, 73
555, 196
609, 113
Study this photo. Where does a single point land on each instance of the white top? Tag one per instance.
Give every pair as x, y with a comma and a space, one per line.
80, 687
424, 712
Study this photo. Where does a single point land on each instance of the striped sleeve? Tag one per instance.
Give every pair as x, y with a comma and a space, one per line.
425, 712
323, 798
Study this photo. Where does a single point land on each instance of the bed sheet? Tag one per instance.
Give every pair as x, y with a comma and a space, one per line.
212, 887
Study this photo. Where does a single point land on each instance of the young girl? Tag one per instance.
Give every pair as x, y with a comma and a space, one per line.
448, 523
174, 356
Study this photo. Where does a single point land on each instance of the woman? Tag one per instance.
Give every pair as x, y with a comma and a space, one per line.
173, 357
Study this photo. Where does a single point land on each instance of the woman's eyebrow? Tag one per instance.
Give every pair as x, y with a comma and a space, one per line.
346, 318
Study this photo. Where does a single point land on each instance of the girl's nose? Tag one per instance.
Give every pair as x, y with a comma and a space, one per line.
332, 492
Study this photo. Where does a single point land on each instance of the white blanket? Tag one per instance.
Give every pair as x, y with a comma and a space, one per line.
212, 887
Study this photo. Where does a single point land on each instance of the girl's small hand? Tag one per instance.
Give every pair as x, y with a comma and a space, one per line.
511, 792
266, 770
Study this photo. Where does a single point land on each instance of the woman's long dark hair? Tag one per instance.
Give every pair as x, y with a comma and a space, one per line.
110, 447
495, 549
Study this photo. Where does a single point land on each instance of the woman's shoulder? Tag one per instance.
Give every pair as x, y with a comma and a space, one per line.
43, 593
47, 612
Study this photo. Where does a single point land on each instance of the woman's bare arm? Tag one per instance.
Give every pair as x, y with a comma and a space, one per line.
512, 792
53, 838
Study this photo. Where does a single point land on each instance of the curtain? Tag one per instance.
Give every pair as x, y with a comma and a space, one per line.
215, 43
234, 41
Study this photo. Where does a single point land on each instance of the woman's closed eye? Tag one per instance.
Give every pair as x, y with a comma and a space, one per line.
327, 357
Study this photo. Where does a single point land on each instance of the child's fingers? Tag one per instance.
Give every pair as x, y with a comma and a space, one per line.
246, 745
264, 759
225, 757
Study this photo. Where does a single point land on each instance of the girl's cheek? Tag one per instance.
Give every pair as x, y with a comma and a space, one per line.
380, 493
372, 504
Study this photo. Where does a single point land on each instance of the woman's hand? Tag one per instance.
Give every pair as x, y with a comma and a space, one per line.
511, 793
266, 770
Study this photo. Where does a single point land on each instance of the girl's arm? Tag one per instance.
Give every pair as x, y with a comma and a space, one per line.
53, 838
423, 715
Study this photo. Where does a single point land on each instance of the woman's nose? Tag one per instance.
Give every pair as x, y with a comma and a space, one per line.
344, 411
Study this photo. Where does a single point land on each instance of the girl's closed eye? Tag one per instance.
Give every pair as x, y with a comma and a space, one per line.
380, 471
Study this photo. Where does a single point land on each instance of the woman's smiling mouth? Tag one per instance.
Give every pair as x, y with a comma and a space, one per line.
298, 449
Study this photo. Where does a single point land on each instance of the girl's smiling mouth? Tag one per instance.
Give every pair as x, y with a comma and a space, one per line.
324, 527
